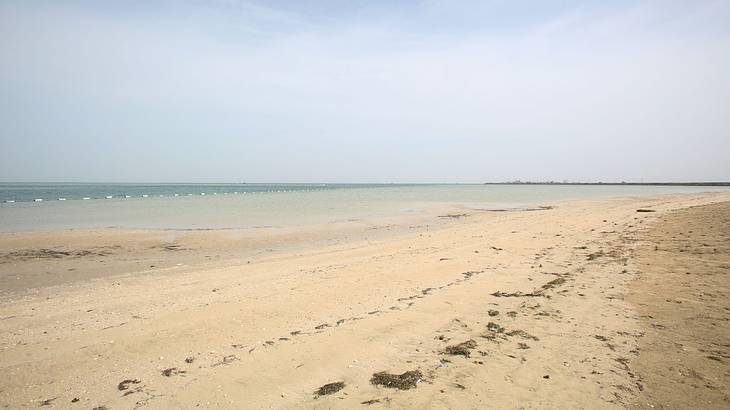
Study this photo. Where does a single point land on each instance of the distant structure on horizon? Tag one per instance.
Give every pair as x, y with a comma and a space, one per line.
565, 182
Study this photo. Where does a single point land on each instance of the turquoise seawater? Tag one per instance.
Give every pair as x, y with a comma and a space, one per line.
215, 206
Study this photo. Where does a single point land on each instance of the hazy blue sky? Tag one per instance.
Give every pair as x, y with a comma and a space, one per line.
364, 91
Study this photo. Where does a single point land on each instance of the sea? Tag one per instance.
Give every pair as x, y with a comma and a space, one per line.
44, 207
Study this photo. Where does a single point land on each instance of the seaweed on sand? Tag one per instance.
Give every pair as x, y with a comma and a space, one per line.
522, 334
494, 327
501, 294
454, 216
124, 384
330, 388
172, 371
371, 401
554, 283
405, 381
461, 349
595, 255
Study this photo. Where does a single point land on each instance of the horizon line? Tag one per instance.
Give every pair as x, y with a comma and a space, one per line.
514, 182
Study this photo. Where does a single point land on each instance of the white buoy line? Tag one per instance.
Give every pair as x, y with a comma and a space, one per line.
86, 198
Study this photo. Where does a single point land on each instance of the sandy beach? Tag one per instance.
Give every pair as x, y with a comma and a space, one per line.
592, 303
250, 204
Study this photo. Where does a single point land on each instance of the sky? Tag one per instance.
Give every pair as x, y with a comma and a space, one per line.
364, 91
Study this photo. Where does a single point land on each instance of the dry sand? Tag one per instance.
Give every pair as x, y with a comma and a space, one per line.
585, 305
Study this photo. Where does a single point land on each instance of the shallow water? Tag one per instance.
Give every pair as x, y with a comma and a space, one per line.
277, 205
54, 192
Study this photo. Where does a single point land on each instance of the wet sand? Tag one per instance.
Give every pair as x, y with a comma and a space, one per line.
683, 299
537, 309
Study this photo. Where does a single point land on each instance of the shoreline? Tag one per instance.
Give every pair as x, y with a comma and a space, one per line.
533, 293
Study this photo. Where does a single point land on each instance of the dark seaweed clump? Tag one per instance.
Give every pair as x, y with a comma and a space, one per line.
172, 371
330, 388
461, 349
494, 327
405, 381
124, 384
